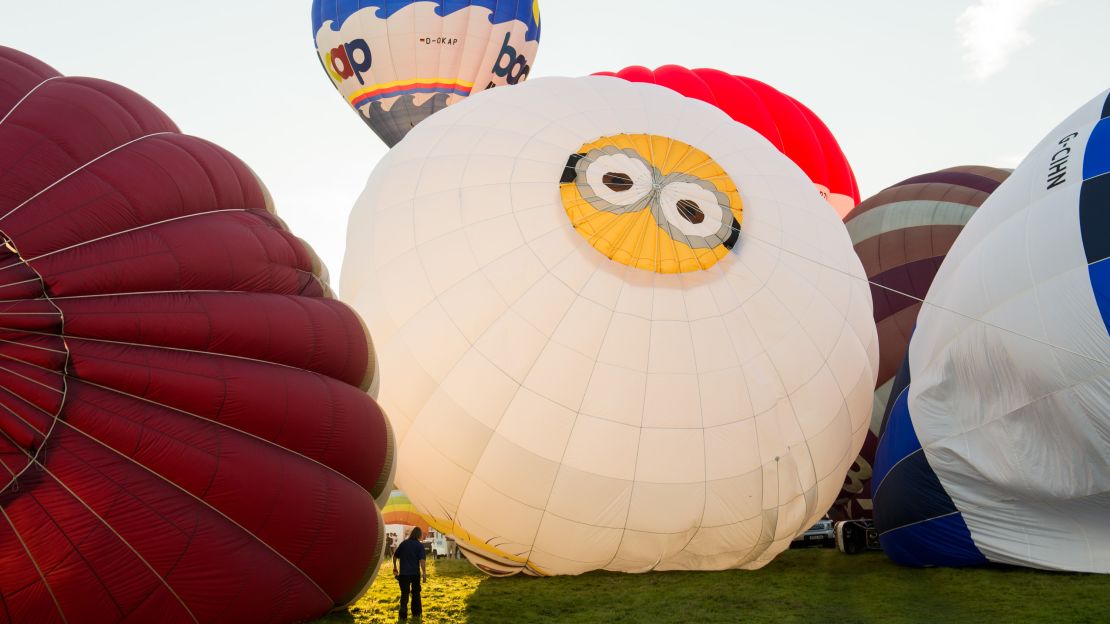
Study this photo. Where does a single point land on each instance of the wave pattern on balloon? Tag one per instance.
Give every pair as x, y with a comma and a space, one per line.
396, 62
184, 432
619, 330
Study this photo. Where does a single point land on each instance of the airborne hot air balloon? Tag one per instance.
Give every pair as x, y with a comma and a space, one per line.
398, 61
997, 450
606, 340
794, 129
901, 235
184, 432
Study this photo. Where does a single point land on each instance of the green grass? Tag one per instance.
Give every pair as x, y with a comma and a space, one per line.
805, 585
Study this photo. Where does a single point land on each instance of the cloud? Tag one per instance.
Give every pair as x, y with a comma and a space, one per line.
993, 30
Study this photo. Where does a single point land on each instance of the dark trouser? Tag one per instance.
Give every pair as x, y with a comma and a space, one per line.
410, 584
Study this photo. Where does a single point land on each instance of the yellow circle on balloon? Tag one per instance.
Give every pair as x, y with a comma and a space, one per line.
652, 202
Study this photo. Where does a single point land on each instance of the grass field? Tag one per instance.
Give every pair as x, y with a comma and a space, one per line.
804, 585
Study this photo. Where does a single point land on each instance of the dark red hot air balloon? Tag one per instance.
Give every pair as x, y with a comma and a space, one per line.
794, 129
184, 434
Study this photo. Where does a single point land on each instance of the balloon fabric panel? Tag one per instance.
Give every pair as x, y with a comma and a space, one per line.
213, 321
791, 127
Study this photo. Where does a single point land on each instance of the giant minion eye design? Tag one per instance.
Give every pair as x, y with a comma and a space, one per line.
652, 202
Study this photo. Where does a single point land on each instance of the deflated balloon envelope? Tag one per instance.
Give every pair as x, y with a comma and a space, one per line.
606, 339
901, 235
184, 434
794, 129
398, 61
997, 450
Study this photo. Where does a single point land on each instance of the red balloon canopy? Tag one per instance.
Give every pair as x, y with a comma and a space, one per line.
184, 434
794, 129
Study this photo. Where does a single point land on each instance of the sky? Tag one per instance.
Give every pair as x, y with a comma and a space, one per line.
906, 87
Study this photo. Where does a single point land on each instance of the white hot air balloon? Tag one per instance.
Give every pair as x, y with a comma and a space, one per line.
999, 449
617, 330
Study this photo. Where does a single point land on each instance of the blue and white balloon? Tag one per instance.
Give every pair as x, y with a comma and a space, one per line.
999, 449
398, 61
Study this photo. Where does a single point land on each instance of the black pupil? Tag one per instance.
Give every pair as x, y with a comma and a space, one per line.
617, 181
690, 211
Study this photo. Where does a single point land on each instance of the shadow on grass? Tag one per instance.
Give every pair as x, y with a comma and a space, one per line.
338, 617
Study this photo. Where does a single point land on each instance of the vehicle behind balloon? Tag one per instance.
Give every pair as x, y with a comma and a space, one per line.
856, 536
821, 534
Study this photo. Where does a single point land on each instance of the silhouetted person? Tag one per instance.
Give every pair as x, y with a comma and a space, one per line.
413, 570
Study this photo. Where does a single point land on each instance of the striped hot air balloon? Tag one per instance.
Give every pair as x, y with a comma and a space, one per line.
901, 234
400, 510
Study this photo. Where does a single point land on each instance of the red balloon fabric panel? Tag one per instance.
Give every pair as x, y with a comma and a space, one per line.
794, 129
184, 431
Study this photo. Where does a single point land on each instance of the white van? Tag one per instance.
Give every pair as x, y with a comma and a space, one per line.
439, 544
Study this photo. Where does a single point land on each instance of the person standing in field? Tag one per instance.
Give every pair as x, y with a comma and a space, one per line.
412, 571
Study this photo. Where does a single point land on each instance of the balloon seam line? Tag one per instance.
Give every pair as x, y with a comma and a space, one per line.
923, 521
225, 426
65, 365
136, 229
194, 351
34, 562
116, 533
34, 381
78, 170
24, 98
929, 303
204, 504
